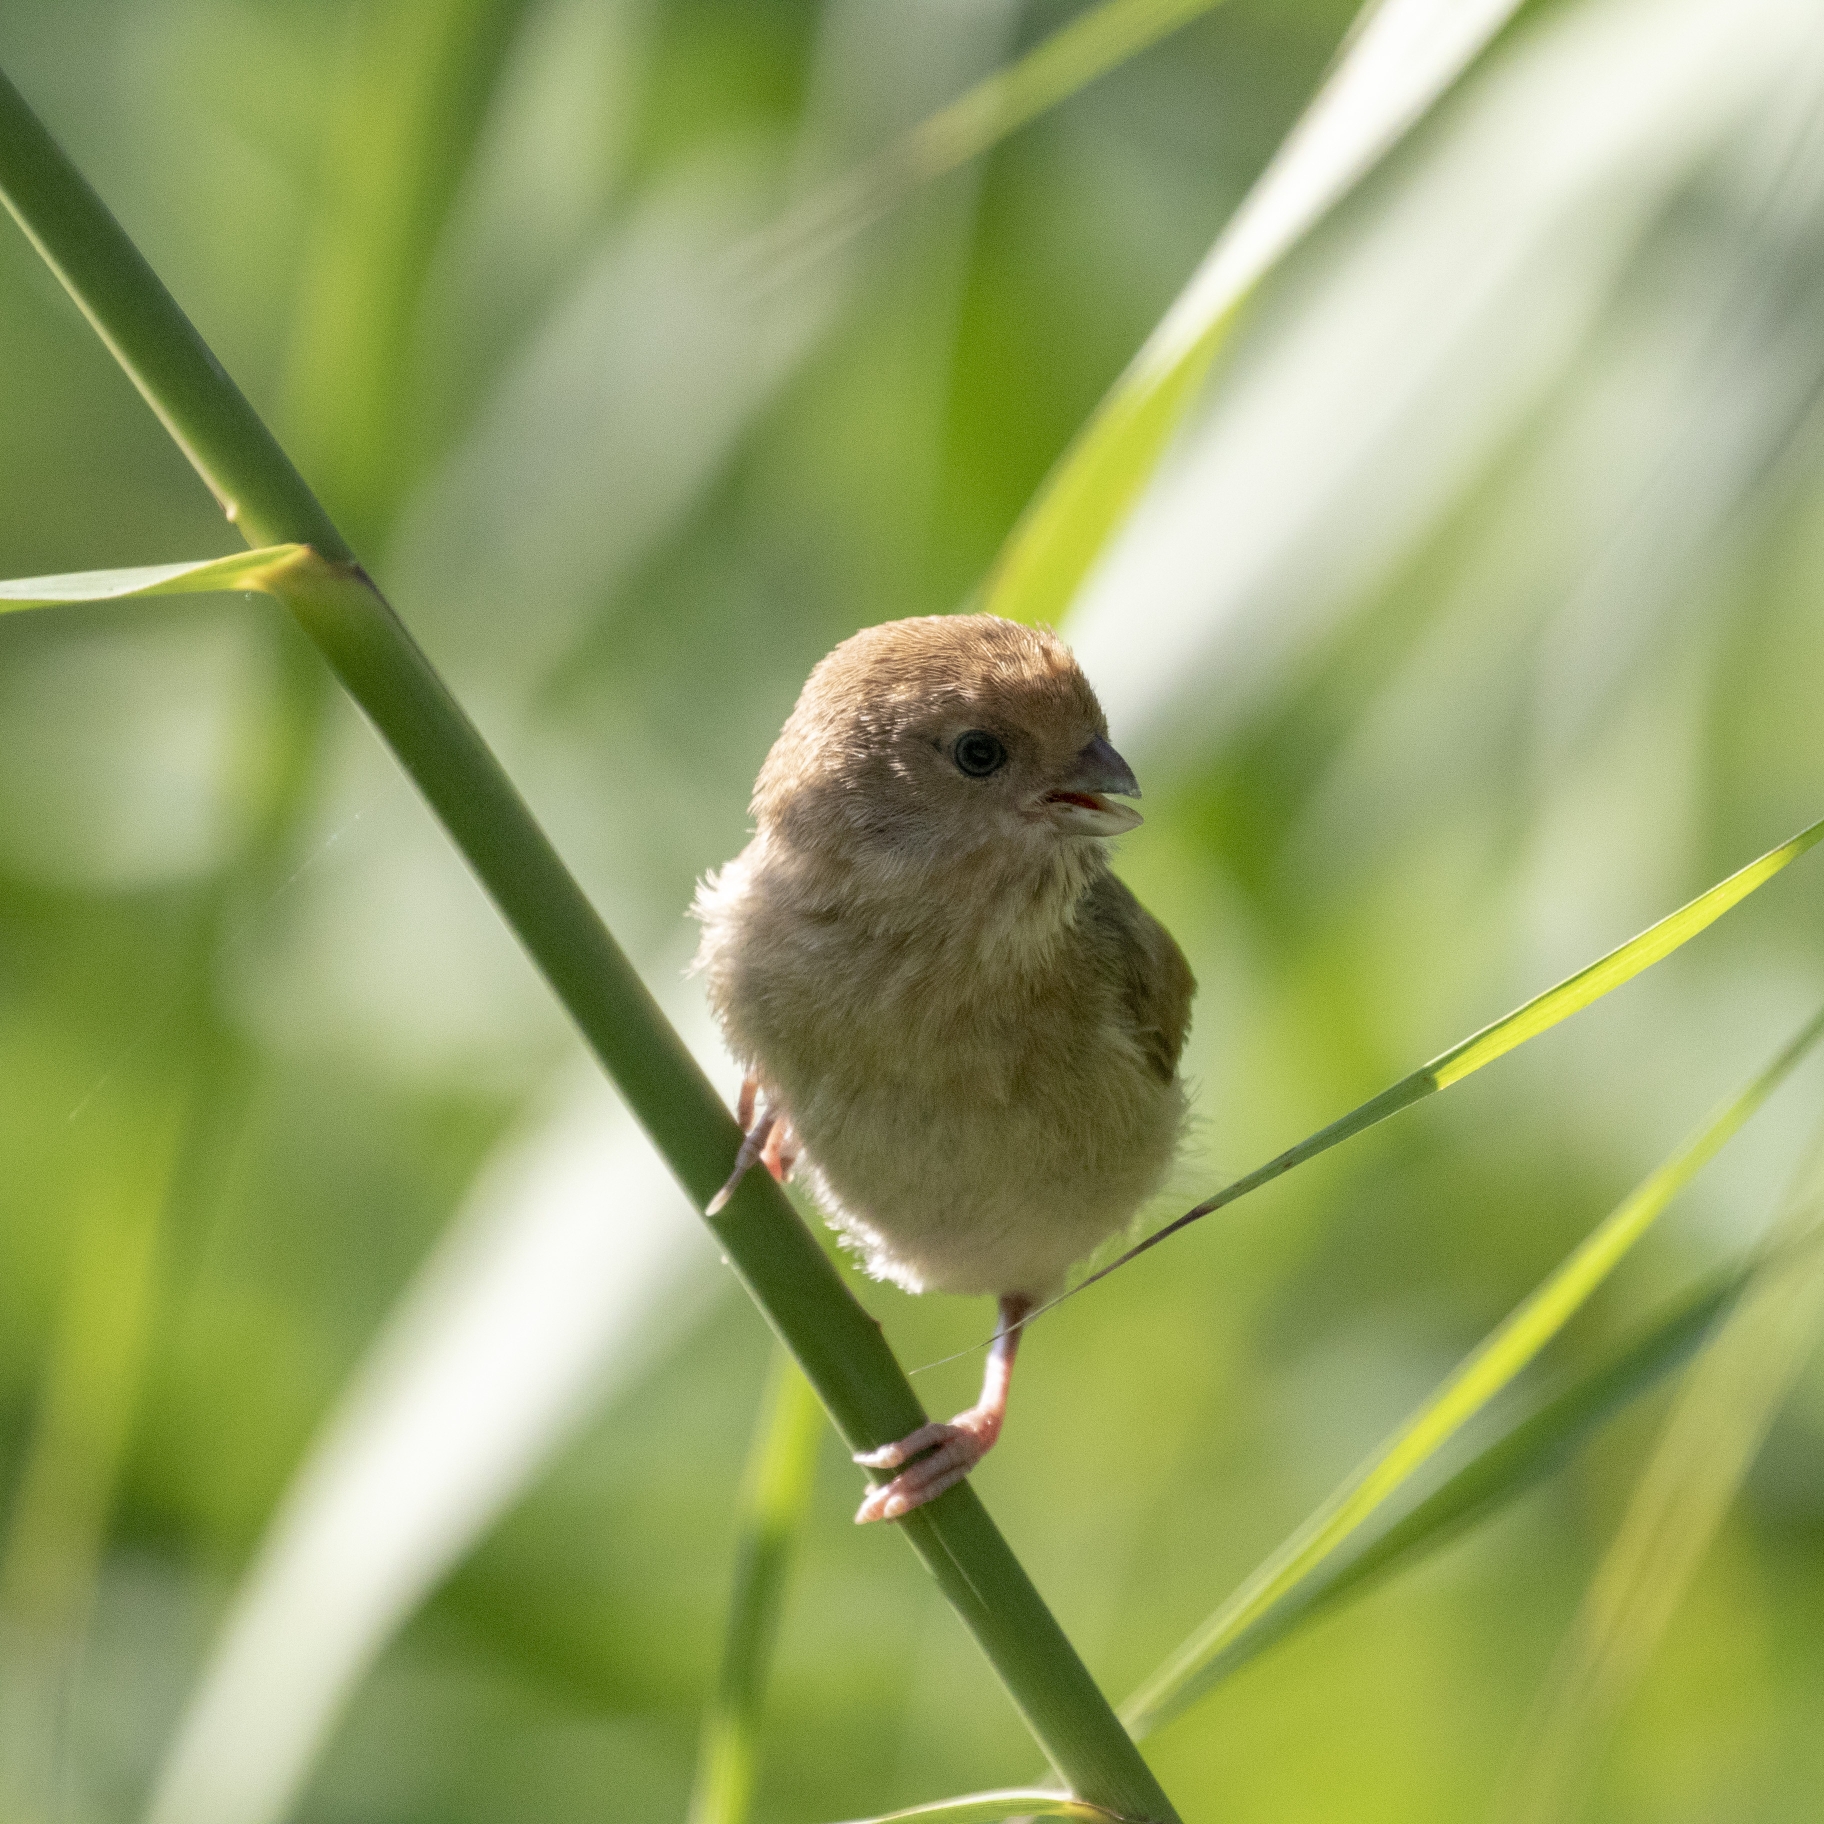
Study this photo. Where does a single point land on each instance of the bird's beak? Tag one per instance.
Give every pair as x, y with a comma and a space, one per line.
1080, 805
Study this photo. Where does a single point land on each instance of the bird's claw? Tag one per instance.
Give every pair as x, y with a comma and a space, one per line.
753, 1144
891, 1456
945, 1455
768, 1140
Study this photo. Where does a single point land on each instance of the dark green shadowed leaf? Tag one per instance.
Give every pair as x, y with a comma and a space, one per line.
1707, 1446
1534, 1445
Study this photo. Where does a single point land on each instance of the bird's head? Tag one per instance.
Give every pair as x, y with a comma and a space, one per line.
932, 739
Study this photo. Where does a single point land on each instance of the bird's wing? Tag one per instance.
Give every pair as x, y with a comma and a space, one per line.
1152, 980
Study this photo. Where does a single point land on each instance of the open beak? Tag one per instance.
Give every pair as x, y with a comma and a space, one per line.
1081, 805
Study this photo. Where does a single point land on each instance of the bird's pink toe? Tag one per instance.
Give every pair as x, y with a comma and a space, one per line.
951, 1452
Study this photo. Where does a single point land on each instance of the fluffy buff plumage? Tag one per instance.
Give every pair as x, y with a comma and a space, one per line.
925, 961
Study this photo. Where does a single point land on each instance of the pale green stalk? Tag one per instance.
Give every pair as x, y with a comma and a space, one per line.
775, 1495
68, 1473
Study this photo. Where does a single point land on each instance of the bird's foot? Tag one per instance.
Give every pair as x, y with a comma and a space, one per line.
944, 1455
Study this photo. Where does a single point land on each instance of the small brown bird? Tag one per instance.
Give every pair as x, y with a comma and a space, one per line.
951, 1012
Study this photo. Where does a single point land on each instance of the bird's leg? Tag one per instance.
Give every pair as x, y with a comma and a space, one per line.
950, 1451
768, 1139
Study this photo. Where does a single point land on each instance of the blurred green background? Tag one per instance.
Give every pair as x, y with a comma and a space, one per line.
1471, 626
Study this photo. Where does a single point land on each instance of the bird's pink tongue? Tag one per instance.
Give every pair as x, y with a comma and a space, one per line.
1088, 800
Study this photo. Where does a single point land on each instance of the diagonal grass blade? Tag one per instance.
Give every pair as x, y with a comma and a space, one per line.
1538, 1015
1489, 1369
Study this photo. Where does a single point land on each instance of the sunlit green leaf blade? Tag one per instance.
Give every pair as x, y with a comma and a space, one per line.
1489, 1369
987, 1807
1538, 1015
1619, 966
242, 570
1401, 55
1530, 1448
780, 1472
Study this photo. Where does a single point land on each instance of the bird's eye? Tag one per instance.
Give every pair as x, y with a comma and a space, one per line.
978, 753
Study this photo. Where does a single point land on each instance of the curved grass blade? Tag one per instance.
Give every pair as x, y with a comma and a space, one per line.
780, 1471
1705, 1452
1344, 440
1399, 58
1538, 1015
1486, 1372
999, 105
1535, 1445
988, 1807
241, 570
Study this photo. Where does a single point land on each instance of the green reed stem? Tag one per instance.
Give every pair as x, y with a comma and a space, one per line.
775, 1497
838, 1345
